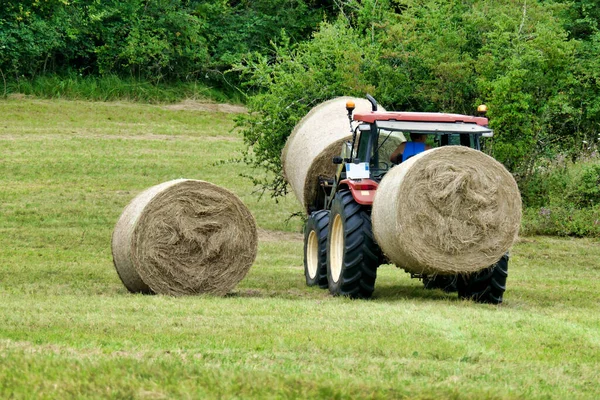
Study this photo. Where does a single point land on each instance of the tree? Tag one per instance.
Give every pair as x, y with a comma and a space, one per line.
289, 83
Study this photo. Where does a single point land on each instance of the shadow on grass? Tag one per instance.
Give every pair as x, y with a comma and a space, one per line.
395, 293
383, 293
290, 294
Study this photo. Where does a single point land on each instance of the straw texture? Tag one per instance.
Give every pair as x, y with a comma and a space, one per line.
315, 140
184, 237
445, 211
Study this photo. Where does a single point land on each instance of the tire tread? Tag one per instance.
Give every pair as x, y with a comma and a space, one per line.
361, 252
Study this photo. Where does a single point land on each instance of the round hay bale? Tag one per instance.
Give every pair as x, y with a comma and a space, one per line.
184, 237
446, 211
315, 140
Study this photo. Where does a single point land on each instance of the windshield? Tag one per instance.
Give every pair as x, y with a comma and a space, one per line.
390, 144
387, 143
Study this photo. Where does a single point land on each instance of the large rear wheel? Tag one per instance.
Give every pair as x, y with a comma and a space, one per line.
315, 248
487, 286
353, 255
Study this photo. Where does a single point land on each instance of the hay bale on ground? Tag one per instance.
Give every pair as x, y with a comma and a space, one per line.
315, 140
446, 211
184, 237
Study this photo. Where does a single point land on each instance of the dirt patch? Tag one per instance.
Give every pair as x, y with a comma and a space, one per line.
194, 105
278, 236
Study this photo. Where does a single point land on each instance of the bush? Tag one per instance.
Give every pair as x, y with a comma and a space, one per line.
584, 188
563, 200
289, 84
560, 221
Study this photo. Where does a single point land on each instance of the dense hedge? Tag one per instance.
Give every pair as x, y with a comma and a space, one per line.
149, 39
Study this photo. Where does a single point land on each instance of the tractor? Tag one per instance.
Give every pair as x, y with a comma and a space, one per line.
340, 251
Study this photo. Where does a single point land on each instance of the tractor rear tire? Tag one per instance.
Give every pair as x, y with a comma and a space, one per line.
315, 249
487, 286
445, 282
352, 253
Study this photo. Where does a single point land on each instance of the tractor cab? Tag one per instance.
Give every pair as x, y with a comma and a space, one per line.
378, 134
366, 159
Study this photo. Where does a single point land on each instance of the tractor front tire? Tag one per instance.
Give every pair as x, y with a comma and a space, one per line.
315, 249
352, 254
487, 286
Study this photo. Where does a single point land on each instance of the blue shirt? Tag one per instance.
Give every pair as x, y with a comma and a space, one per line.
411, 149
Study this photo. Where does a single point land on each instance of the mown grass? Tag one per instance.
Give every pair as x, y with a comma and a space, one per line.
70, 329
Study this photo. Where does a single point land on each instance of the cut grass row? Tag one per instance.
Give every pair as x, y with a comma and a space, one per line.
70, 330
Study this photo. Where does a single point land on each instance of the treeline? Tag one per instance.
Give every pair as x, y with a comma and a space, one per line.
154, 40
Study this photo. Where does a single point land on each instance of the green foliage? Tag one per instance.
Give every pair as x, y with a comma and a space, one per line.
585, 96
149, 39
524, 72
31, 34
559, 221
426, 61
563, 200
569, 185
584, 188
535, 189
290, 83
581, 18
237, 28
516, 58
154, 40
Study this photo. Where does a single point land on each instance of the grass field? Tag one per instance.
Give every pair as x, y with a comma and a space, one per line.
70, 329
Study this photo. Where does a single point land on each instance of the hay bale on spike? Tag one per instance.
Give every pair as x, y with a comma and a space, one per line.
315, 140
449, 210
184, 237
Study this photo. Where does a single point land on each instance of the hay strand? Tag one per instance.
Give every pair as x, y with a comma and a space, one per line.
315, 140
184, 237
446, 211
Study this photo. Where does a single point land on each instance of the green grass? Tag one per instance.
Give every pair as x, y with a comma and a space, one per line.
69, 328
112, 88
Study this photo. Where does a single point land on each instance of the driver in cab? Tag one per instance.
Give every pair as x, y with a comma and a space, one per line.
408, 149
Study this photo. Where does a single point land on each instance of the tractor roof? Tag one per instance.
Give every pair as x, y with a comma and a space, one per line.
419, 117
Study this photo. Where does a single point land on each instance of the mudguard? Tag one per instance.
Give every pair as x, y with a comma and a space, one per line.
362, 190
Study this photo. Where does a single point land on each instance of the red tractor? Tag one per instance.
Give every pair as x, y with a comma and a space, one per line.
340, 252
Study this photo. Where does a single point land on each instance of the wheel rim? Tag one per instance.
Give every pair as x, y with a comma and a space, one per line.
312, 254
336, 249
